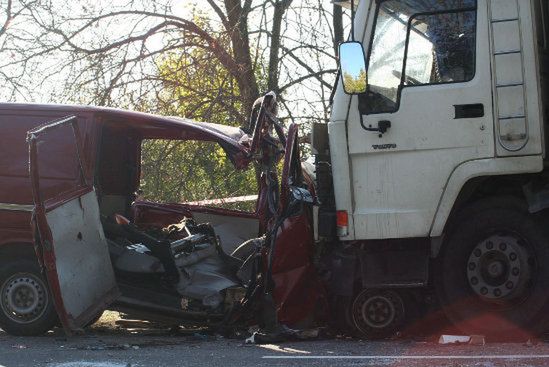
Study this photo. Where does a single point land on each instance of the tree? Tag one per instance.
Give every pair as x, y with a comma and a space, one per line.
108, 54
355, 84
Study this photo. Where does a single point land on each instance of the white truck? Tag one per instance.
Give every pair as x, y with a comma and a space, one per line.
432, 171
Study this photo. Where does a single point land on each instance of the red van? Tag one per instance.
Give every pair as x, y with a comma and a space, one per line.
75, 238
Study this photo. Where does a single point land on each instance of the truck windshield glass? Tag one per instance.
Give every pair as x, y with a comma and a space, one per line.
437, 43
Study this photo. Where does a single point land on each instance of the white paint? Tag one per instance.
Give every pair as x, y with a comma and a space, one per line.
477, 168
91, 364
395, 192
510, 357
451, 339
409, 190
282, 349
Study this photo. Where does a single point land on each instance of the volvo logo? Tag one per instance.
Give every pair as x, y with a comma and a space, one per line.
384, 146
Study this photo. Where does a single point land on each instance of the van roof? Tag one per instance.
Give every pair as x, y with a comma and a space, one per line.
232, 138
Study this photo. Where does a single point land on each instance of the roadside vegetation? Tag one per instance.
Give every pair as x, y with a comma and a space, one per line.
204, 60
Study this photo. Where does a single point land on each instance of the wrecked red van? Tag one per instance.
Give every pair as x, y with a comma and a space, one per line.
75, 238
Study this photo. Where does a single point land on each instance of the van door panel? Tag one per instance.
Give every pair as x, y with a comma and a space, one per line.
68, 229
82, 267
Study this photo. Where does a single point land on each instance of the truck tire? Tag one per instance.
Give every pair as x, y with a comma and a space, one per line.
26, 305
492, 276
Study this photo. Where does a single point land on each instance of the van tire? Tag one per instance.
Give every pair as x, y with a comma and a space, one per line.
26, 304
492, 276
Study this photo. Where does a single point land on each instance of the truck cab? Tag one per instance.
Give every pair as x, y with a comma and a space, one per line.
436, 148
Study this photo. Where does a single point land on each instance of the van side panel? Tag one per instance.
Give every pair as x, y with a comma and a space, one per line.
15, 190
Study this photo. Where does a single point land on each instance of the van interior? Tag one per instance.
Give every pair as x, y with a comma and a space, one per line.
183, 268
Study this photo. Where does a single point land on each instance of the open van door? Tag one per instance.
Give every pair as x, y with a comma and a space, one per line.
67, 227
298, 292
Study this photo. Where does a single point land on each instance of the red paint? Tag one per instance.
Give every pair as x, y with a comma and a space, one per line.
299, 293
17, 119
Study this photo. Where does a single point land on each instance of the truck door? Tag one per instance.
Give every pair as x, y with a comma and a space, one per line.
429, 79
68, 232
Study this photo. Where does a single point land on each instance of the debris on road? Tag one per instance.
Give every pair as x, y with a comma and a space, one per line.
454, 339
477, 340
19, 346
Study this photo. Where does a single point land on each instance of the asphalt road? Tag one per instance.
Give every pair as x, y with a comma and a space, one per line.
113, 344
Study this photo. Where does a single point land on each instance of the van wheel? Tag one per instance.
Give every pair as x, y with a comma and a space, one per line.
377, 314
492, 276
26, 306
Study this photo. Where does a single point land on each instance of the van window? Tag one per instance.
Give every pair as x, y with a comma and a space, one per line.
428, 41
194, 172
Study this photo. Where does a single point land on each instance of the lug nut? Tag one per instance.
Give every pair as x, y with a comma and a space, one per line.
515, 271
503, 246
489, 245
474, 281
483, 290
472, 266
477, 252
509, 285
513, 256
497, 292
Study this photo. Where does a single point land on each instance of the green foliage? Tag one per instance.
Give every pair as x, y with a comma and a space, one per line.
187, 171
355, 85
195, 86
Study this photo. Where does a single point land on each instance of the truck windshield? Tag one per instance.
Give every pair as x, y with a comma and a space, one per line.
429, 41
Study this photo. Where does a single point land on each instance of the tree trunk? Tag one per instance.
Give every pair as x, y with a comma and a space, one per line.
280, 7
237, 17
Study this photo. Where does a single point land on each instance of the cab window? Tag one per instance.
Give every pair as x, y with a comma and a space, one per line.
419, 43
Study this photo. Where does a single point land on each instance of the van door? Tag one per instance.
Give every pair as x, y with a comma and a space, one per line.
298, 291
429, 78
68, 231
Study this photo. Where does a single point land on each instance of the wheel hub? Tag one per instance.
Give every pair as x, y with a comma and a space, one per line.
23, 298
377, 311
498, 268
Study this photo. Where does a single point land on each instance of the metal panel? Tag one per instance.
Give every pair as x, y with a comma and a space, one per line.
506, 37
504, 9
512, 133
83, 263
16, 207
233, 231
509, 69
510, 101
516, 78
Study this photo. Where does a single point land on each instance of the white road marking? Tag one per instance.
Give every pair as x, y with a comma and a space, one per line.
507, 357
278, 348
90, 364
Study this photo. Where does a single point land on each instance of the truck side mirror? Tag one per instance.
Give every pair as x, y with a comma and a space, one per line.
353, 67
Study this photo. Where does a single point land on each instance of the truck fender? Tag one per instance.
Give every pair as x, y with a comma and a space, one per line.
478, 168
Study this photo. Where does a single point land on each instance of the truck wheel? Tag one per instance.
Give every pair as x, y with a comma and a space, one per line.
492, 276
377, 314
26, 306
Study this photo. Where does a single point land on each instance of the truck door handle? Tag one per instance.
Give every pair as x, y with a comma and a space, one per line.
469, 111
